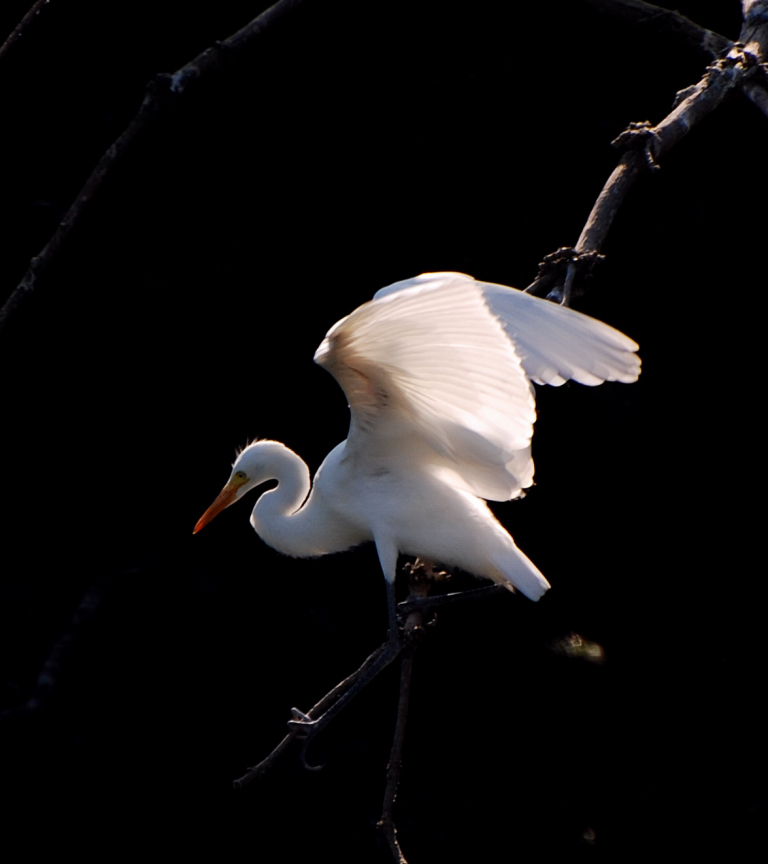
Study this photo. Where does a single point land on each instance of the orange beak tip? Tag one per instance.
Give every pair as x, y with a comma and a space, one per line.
223, 500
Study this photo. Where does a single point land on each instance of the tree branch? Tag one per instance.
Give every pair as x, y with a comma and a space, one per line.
21, 27
160, 91
58, 657
421, 579
696, 37
395, 764
640, 13
375, 662
645, 144
420, 584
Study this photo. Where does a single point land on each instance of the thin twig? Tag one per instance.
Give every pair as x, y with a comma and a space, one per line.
161, 91
58, 657
692, 34
425, 604
638, 12
21, 27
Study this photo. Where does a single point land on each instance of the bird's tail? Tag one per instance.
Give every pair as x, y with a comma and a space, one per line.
518, 573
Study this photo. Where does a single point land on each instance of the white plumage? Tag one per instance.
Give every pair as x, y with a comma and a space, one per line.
437, 371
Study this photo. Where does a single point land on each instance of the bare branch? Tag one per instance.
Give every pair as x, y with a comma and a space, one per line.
648, 144
21, 27
422, 578
754, 32
645, 144
417, 603
159, 92
695, 36
327, 708
387, 823
757, 94
420, 584
58, 657
754, 36
234, 46
639, 12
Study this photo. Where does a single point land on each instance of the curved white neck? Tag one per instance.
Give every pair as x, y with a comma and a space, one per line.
274, 516
292, 518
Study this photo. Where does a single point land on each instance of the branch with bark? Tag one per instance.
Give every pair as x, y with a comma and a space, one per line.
21, 28
164, 90
742, 65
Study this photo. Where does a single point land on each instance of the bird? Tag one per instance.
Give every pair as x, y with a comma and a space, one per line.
438, 371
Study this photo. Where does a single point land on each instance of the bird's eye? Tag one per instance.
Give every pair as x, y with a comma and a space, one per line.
240, 475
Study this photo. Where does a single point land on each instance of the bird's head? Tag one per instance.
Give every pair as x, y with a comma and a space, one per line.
250, 469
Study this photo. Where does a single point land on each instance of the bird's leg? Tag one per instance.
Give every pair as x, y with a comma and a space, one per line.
393, 631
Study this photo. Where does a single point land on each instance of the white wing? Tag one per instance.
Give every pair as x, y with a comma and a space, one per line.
431, 377
436, 370
555, 344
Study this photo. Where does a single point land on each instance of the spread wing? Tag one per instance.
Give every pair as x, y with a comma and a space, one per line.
555, 344
431, 377
437, 370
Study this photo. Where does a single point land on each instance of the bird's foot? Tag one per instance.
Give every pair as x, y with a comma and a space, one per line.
422, 570
415, 630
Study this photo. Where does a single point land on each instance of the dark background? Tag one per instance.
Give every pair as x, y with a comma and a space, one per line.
362, 143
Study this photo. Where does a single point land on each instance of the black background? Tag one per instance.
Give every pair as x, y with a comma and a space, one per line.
359, 144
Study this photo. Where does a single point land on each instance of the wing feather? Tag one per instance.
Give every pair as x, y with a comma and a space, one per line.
438, 368
431, 365
555, 344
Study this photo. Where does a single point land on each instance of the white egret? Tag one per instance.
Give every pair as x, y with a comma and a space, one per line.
437, 371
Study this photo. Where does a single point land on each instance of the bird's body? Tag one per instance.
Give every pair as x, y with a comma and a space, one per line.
452, 526
438, 372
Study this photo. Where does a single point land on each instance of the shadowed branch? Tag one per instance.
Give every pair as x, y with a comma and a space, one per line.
161, 91
743, 63
21, 28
